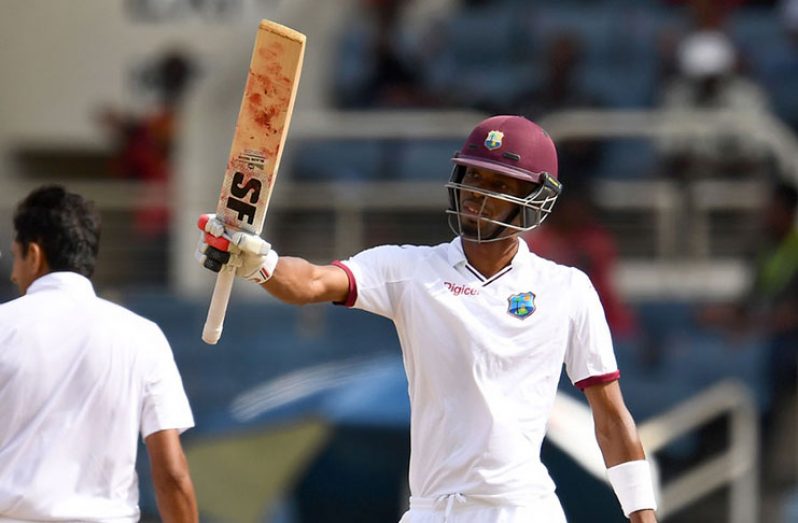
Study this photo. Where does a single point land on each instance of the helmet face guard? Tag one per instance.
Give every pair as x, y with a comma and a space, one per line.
528, 212
510, 146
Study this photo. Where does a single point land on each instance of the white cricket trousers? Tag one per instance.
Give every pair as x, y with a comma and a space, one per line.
457, 508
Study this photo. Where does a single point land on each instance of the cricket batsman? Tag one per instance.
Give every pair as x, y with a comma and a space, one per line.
485, 327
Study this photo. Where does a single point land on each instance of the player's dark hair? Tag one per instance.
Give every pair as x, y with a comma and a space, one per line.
65, 225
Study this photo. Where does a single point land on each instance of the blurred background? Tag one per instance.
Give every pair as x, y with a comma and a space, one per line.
676, 127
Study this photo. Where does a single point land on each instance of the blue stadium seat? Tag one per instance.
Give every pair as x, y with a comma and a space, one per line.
622, 87
482, 35
480, 57
757, 30
427, 159
493, 85
591, 25
327, 160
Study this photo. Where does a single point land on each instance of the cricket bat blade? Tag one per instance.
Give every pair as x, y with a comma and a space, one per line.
261, 130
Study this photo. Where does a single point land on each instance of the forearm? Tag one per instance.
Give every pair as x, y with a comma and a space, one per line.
627, 471
174, 490
643, 516
299, 282
618, 439
176, 498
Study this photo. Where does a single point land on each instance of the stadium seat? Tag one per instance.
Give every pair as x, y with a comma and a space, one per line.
329, 160
427, 159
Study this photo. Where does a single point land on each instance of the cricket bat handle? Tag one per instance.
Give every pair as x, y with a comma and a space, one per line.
221, 295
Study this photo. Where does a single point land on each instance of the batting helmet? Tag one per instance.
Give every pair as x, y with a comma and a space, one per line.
511, 146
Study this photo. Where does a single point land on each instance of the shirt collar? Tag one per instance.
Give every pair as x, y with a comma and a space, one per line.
454, 253
70, 282
456, 256
522, 255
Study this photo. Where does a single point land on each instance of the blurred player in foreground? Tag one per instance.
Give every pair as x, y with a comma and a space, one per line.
485, 327
80, 378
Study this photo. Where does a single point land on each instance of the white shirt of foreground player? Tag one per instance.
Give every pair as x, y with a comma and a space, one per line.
483, 359
80, 378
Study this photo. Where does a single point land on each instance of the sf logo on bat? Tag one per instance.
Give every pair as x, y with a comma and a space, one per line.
245, 188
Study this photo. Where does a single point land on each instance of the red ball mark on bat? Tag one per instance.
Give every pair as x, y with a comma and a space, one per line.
265, 83
268, 54
264, 118
255, 99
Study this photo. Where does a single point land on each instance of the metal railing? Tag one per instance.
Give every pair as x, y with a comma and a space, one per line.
737, 467
571, 429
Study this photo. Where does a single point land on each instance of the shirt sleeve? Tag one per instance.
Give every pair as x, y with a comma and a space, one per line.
165, 405
589, 357
375, 278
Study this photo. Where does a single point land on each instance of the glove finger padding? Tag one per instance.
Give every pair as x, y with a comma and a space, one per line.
209, 257
216, 255
210, 224
213, 265
250, 244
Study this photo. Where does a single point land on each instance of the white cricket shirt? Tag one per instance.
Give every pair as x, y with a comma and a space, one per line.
80, 379
483, 359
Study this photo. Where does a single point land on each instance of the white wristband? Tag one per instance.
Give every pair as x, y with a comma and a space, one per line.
632, 484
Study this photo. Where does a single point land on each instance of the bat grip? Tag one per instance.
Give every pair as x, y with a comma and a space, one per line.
221, 295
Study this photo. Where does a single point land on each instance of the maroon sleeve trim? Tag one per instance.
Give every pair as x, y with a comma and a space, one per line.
597, 380
351, 296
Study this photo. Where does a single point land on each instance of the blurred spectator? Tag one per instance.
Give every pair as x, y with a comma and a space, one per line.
378, 66
707, 80
773, 300
574, 236
708, 14
560, 87
560, 90
144, 145
771, 307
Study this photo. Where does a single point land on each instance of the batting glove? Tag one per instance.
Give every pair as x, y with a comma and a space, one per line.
252, 257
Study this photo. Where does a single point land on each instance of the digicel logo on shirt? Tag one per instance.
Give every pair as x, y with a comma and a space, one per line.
458, 289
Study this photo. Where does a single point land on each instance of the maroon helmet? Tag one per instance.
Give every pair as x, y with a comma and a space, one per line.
511, 146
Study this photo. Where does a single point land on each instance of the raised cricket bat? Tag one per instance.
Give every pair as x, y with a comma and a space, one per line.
260, 134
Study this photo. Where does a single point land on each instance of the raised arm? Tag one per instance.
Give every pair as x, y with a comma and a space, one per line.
297, 281
623, 453
292, 280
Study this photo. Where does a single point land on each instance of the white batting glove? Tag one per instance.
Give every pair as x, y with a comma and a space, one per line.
252, 257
